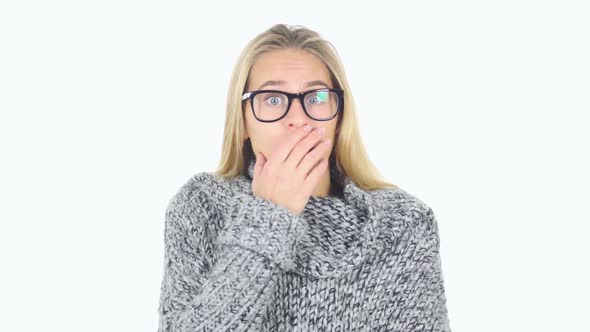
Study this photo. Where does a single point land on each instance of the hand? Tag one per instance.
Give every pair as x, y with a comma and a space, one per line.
291, 173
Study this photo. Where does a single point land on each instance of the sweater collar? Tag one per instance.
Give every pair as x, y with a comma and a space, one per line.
342, 230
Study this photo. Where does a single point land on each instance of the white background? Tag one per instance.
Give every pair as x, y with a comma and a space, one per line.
478, 108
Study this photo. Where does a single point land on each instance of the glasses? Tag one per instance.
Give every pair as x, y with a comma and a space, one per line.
272, 105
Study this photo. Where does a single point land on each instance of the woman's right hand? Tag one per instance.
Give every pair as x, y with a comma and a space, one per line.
290, 174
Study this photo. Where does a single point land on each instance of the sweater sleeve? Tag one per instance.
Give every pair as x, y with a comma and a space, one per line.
231, 292
425, 307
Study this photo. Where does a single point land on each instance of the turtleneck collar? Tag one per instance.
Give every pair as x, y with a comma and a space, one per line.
342, 230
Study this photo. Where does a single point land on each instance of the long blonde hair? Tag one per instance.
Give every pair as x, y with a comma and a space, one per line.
348, 156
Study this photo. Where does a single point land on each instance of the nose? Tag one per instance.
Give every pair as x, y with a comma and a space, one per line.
296, 115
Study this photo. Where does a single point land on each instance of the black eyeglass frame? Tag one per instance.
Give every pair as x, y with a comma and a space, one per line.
290, 96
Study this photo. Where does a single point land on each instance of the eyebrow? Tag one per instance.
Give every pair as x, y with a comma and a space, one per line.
280, 82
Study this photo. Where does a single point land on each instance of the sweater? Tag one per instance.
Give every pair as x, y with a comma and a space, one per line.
359, 261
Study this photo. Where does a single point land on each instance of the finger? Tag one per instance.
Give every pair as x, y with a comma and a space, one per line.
284, 148
259, 165
303, 147
312, 158
314, 176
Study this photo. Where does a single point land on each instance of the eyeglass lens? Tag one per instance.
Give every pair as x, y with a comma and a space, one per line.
320, 105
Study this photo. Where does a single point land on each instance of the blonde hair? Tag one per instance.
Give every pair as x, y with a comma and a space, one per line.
348, 157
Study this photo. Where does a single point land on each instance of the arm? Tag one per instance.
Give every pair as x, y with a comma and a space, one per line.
425, 305
231, 293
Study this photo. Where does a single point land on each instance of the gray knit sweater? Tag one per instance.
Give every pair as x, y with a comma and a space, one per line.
360, 261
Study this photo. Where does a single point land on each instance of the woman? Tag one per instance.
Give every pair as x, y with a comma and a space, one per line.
295, 230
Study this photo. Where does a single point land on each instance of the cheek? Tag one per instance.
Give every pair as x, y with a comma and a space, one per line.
333, 132
259, 138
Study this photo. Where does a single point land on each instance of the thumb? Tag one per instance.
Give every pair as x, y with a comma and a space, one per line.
260, 161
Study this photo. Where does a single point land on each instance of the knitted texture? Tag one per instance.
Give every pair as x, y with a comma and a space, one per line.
362, 261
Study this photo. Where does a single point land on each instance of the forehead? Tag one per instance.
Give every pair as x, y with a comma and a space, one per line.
295, 67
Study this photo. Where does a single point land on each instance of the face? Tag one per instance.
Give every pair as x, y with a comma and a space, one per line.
296, 68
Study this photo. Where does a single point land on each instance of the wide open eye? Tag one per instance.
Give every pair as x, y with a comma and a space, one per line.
272, 99
317, 97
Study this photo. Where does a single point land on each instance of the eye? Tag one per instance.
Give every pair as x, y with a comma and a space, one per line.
317, 98
274, 100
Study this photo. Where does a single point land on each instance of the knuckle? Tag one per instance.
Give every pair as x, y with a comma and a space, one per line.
313, 139
314, 154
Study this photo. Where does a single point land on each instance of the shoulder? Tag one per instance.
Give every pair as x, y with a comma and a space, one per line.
403, 208
197, 193
191, 190
204, 190
398, 199
190, 209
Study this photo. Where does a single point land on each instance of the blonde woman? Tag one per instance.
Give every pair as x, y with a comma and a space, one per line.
296, 230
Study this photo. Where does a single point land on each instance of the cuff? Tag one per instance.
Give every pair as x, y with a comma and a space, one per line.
262, 226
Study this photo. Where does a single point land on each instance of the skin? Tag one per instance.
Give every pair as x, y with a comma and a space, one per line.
296, 68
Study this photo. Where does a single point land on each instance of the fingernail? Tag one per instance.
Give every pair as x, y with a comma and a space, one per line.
322, 130
306, 127
327, 142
